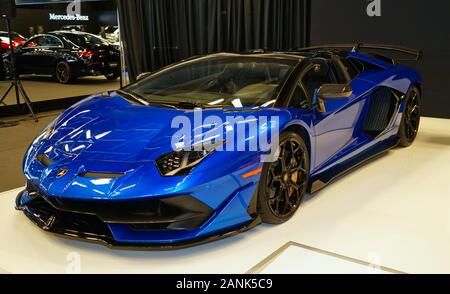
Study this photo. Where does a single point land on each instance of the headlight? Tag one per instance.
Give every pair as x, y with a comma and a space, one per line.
181, 162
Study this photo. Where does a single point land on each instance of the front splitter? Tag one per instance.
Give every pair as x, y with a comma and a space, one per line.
108, 241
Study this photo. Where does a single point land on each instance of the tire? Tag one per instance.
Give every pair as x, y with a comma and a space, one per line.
64, 73
277, 183
2, 72
112, 76
7, 69
409, 125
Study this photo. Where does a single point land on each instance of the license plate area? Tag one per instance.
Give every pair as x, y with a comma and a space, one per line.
113, 64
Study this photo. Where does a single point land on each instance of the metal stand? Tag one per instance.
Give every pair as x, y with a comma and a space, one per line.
15, 81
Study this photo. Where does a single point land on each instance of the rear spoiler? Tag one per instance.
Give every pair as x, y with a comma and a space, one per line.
416, 55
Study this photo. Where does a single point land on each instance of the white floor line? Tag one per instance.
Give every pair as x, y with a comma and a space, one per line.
295, 260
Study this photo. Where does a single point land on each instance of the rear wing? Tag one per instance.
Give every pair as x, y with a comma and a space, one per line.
415, 55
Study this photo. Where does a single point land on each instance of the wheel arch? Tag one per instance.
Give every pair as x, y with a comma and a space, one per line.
61, 58
303, 132
418, 85
258, 205
58, 60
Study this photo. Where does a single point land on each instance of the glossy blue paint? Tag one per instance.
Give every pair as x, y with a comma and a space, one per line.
110, 134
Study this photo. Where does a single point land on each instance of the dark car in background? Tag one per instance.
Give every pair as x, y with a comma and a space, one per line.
77, 28
66, 55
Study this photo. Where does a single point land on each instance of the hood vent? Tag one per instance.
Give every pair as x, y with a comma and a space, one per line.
44, 160
101, 175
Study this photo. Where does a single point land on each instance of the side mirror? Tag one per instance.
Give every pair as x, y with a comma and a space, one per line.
332, 91
143, 75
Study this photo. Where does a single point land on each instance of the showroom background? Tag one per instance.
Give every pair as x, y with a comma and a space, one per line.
166, 31
158, 32
413, 23
101, 13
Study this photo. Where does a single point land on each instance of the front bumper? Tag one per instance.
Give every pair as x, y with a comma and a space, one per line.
155, 221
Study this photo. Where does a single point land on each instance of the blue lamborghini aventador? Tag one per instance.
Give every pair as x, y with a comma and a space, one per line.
116, 169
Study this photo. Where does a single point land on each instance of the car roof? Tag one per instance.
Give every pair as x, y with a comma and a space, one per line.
273, 55
290, 54
61, 32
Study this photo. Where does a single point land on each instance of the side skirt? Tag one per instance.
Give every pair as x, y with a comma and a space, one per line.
321, 180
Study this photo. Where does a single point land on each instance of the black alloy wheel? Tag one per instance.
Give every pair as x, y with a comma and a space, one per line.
7, 69
112, 76
284, 182
409, 126
63, 72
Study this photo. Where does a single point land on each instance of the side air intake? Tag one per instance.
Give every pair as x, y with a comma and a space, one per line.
382, 105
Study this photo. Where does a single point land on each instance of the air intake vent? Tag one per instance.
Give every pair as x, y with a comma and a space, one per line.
381, 110
101, 175
44, 160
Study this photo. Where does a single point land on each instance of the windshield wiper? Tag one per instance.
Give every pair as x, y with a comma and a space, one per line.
132, 96
137, 98
193, 105
169, 104
187, 104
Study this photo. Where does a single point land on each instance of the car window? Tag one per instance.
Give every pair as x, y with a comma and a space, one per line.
34, 42
350, 68
340, 70
44, 41
50, 41
317, 76
226, 80
354, 64
298, 98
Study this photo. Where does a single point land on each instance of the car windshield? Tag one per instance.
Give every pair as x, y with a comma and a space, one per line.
218, 81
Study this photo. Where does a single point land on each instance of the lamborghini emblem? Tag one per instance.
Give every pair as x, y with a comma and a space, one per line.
316, 67
61, 172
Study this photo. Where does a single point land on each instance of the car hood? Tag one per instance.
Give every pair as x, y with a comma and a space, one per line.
111, 128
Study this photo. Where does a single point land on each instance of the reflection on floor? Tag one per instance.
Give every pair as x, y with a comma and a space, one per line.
14, 141
393, 211
294, 258
46, 88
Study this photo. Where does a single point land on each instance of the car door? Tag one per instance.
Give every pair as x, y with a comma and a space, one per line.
38, 56
26, 56
46, 58
334, 125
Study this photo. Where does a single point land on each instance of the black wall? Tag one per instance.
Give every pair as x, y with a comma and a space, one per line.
160, 32
413, 23
101, 13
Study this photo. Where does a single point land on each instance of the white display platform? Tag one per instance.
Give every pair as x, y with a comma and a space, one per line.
299, 259
393, 211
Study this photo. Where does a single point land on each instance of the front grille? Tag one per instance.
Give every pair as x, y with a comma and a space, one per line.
67, 223
177, 212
